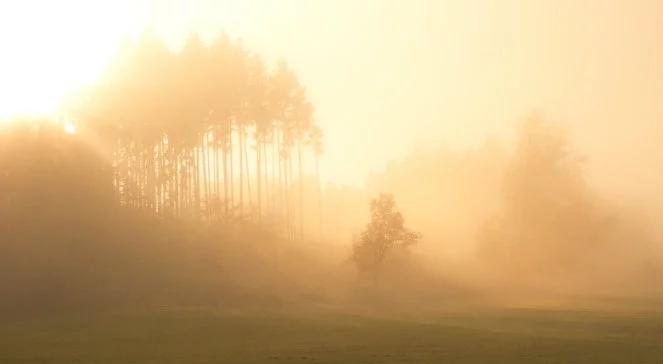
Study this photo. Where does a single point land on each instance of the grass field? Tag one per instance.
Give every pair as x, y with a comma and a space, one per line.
513, 336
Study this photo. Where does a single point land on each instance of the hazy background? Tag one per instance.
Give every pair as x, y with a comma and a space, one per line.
423, 99
521, 141
388, 76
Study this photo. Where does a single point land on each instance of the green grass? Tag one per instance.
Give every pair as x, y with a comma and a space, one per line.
192, 337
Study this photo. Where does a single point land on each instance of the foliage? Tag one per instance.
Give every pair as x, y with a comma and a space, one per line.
207, 133
384, 232
549, 221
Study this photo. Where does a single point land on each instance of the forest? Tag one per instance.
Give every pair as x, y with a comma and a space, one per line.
204, 133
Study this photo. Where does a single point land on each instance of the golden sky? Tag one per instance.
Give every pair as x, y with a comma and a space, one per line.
387, 77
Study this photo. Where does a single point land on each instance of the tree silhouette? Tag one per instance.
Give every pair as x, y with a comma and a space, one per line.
180, 126
384, 232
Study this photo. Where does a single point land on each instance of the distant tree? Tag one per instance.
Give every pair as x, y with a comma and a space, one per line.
550, 220
384, 232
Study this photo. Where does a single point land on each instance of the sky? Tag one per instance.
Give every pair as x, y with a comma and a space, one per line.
389, 77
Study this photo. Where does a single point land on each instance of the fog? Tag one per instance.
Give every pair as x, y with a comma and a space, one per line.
341, 181
526, 217
201, 167
503, 224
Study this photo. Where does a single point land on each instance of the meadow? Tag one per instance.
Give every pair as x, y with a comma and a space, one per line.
327, 336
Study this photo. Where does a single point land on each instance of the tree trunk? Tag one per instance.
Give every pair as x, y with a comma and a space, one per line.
217, 177
266, 178
258, 176
317, 178
225, 182
241, 171
275, 163
246, 169
206, 173
301, 190
231, 182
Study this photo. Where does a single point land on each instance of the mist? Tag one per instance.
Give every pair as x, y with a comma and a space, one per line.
436, 181
524, 218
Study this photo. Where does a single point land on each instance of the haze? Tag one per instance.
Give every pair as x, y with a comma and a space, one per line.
421, 73
335, 181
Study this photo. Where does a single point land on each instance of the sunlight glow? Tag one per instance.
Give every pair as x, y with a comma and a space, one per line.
53, 48
69, 127
50, 49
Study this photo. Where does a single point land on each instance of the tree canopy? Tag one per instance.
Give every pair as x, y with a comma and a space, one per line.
207, 132
384, 232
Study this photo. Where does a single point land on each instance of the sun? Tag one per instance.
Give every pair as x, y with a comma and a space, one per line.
49, 49
69, 128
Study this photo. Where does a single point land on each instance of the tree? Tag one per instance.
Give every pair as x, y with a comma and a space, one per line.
549, 222
385, 232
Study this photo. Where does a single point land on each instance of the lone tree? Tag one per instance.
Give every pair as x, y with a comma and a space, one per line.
385, 232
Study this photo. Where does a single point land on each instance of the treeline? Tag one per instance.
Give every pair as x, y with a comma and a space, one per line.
524, 217
208, 132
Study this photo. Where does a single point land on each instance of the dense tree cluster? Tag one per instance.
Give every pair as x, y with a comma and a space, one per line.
207, 132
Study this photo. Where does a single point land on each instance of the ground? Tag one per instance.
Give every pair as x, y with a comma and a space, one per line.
226, 336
